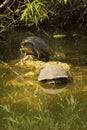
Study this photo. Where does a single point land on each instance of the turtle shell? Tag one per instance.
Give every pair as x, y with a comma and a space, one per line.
36, 46
52, 72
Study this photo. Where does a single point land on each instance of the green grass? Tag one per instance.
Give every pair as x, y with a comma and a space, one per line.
25, 107
35, 112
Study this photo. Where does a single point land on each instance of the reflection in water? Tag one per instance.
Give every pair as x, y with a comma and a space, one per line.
71, 50
74, 50
53, 88
26, 103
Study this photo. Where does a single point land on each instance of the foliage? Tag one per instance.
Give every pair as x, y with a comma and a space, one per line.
52, 114
68, 13
29, 12
35, 12
59, 35
65, 1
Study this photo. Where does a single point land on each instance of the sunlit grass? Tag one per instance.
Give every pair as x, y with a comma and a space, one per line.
34, 113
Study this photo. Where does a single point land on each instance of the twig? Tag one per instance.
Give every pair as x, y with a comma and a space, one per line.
45, 32
9, 25
4, 4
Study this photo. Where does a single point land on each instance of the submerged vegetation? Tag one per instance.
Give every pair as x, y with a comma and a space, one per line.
29, 110
23, 105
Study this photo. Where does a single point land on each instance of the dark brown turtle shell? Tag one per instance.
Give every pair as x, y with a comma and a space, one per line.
35, 46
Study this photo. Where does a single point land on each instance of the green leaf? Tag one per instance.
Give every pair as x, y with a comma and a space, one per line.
65, 1
35, 12
59, 35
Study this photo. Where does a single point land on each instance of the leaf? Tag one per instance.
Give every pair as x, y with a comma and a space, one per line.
6, 107
36, 20
11, 119
59, 35
10, 9
35, 12
65, 1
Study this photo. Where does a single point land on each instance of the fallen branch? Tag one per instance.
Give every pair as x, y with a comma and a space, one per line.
4, 4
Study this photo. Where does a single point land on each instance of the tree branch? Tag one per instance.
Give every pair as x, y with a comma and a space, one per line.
4, 4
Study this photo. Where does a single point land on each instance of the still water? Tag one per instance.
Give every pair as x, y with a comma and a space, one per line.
24, 105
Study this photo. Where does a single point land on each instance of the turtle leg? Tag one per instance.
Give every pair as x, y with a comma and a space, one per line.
37, 54
47, 57
22, 52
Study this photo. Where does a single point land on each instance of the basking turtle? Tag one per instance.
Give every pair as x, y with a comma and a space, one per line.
53, 74
35, 46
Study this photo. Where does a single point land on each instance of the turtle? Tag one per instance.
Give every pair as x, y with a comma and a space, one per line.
53, 74
35, 46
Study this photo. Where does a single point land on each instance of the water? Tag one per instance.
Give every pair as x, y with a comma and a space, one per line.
23, 105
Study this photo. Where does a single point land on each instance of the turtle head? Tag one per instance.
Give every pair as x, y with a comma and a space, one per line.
27, 48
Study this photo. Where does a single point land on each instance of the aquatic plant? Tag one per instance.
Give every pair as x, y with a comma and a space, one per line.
70, 113
58, 113
24, 106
